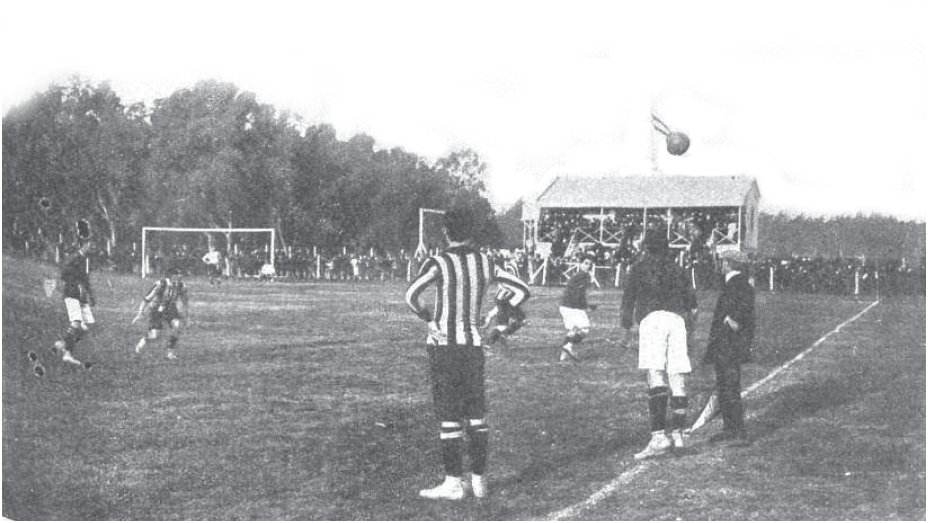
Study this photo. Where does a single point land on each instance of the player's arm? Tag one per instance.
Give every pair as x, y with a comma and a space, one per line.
427, 275
142, 306
146, 301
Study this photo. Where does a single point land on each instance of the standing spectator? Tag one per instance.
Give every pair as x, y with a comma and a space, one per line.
213, 261
573, 308
658, 296
78, 300
456, 360
730, 338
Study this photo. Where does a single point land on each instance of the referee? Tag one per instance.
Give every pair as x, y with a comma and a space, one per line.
461, 275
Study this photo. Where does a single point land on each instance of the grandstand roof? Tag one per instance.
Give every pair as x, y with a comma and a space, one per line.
647, 191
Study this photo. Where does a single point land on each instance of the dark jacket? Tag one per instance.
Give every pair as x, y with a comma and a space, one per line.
725, 345
656, 283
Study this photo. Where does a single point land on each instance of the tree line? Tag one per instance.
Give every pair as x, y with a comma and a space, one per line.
211, 156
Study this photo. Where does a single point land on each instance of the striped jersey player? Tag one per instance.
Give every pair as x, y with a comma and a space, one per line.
461, 275
162, 301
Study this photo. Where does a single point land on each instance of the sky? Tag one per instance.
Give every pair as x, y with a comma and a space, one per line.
824, 103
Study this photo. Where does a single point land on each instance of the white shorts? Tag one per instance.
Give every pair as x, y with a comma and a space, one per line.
78, 311
662, 343
574, 318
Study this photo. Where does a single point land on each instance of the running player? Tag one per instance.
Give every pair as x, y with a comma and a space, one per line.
162, 301
574, 306
78, 300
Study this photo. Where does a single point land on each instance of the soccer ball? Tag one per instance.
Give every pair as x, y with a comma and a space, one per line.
59, 345
677, 143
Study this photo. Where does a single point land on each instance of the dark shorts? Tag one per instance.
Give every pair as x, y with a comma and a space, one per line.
456, 373
213, 271
159, 317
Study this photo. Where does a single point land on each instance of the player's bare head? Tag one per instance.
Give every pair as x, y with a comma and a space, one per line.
460, 224
586, 262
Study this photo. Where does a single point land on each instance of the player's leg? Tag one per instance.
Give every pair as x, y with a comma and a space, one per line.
652, 357
444, 376
75, 331
574, 323
173, 337
152, 336
155, 325
478, 432
678, 365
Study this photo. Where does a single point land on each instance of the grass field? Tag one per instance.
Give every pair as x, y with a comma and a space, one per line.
311, 401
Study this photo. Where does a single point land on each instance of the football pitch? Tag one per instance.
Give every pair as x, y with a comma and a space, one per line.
307, 401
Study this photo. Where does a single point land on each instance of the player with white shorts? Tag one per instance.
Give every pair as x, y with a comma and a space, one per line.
574, 306
662, 343
78, 300
658, 296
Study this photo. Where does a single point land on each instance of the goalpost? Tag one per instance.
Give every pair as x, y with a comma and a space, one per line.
431, 232
146, 266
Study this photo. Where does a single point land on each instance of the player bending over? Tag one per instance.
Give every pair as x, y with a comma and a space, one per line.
162, 302
507, 315
574, 306
78, 299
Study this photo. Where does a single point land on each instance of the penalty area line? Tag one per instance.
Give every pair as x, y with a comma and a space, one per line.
628, 475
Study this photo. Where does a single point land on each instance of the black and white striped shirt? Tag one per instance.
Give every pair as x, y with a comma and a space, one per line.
461, 275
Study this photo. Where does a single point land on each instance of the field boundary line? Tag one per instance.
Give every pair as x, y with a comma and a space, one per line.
622, 479
627, 476
802, 354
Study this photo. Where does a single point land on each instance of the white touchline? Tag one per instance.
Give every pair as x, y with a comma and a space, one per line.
802, 354
625, 477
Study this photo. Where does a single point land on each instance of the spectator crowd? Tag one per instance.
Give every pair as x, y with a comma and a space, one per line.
802, 274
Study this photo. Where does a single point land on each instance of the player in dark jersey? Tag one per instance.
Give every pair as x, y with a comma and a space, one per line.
78, 300
574, 306
461, 275
162, 301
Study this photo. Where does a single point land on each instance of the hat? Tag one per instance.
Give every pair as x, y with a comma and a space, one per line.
735, 257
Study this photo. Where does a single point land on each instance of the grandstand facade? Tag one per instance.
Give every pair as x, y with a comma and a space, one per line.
695, 213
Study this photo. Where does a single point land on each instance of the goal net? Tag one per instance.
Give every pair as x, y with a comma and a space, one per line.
243, 251
431, 232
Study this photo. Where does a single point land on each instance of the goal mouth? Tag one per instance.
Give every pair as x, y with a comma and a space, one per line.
432, 237
165, 246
